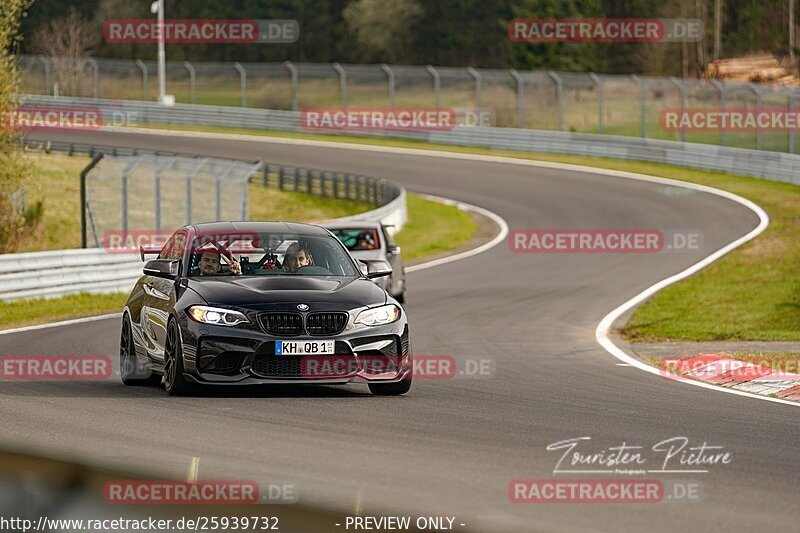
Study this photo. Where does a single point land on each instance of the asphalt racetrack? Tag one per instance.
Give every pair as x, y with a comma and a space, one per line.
452, 446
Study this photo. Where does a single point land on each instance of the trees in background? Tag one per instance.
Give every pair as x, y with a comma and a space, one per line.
13, 167
451, 32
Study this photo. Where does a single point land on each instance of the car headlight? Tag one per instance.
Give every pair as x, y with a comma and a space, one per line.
378, 316
216, 316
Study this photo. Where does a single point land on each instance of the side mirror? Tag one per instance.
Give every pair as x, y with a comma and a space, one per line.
162, 268
362, 266
392, 250
377, 268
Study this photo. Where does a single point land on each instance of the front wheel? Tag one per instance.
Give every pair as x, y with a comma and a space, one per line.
130, 371
174, 382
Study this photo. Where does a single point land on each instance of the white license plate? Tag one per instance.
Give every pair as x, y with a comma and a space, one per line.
304, 347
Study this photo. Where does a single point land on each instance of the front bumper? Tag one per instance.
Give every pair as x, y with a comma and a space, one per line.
219, 355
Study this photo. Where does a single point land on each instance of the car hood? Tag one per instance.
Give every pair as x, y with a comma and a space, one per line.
262, 291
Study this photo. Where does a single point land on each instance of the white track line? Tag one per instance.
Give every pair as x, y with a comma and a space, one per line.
62, 323
603, 328
501, 235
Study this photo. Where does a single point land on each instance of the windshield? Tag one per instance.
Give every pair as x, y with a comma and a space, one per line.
357, 239
269, 254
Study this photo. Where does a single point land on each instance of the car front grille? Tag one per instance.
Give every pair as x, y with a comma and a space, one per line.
278, 366
286, 324
326, 323
267, 364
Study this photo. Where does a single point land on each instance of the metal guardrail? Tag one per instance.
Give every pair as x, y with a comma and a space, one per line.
777, 166
95, 270
583, 102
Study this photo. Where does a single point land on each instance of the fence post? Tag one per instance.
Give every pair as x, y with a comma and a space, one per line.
679, 84
194, 171
143, 68
559, 97
96, 159
47, 80
95, 77
242, 83
759, 131
437, 85
723, 97
390, 80
477, 77
192, 80
636, 79
293, 77
600, 97
342, 83
126, 172
520, 96
790, 94
348, 180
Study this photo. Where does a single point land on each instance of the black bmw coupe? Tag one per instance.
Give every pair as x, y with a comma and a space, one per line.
243, 303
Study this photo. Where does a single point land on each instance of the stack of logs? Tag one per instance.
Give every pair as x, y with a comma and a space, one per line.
764, 68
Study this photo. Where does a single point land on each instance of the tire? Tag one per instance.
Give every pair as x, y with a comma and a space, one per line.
130, 371
401, 298
174, 382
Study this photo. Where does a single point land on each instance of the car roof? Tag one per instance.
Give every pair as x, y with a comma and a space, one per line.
259, 227
357, 224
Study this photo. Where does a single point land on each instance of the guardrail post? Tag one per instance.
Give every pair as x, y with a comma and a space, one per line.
759, 131
192, 80
559, 97
790, 94
520, 96
242, 83
342, 83
293, 77
391, 81
96, 159
47, 79
679, 84
143, 68
437, 85
310, 181
600, 97
477, 77
723, 97
297, 174
95, 77
281, 177
642, 114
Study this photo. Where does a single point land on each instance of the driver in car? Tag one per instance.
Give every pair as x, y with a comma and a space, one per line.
296, 258
209, 265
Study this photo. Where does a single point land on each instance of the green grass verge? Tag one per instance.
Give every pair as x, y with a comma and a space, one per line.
27, 312
752, 293
433, 228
